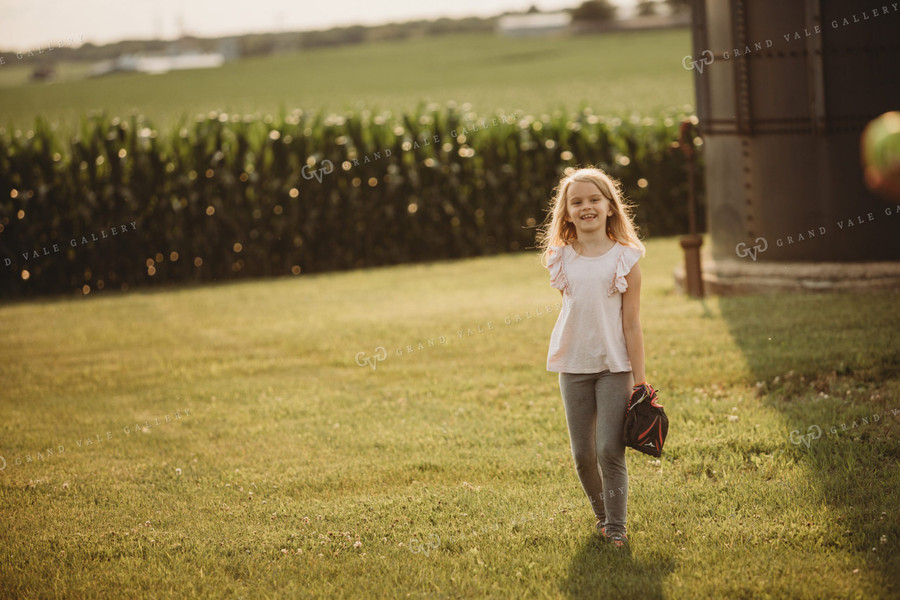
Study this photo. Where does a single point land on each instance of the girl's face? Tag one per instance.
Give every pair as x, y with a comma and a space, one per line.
586, 207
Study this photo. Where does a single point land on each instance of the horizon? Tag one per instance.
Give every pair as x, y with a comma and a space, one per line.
38, 23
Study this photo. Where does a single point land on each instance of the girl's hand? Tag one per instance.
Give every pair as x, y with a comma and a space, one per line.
642, 391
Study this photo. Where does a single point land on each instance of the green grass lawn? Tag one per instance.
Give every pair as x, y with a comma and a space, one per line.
613, 73
445, 470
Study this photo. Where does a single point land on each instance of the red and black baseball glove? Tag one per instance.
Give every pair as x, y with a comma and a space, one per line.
646, 423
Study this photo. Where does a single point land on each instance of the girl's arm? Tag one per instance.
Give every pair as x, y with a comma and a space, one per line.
631, 324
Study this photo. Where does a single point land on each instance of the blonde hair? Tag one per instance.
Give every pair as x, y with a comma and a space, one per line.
557, 231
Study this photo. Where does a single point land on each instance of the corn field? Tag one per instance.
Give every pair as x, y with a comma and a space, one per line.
122, 204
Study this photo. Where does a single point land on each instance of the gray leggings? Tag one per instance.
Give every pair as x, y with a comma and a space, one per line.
595, 406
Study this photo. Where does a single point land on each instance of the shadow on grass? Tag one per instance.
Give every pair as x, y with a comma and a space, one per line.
598, 570
830, 364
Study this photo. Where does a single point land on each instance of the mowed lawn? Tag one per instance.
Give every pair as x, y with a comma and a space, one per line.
443, 470
620, 73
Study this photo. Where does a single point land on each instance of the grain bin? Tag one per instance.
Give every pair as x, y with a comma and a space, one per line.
784, 90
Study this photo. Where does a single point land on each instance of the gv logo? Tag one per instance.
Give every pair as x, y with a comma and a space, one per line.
706, 58
372, 361
743, 251
425, 549
815, 433
327, 167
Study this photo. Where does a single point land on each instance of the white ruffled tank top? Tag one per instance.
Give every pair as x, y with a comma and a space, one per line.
588, 336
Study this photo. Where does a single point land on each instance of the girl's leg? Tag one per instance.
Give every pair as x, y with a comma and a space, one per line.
612, 393
580, 401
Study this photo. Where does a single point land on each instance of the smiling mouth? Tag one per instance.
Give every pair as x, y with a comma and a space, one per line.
588, 217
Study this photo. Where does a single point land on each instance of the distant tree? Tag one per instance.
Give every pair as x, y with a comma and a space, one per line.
647, 8
256, 45
680, 6
533, 9
336, 36
595, 10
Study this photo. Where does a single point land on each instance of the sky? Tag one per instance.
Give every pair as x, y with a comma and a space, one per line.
27, 24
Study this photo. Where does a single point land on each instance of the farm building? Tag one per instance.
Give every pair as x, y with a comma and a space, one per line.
146, 63
533, 24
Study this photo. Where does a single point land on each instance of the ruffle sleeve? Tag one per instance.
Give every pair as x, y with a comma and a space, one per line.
557, 268
628, 257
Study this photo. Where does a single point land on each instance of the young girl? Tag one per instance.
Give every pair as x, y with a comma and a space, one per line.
591, 248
